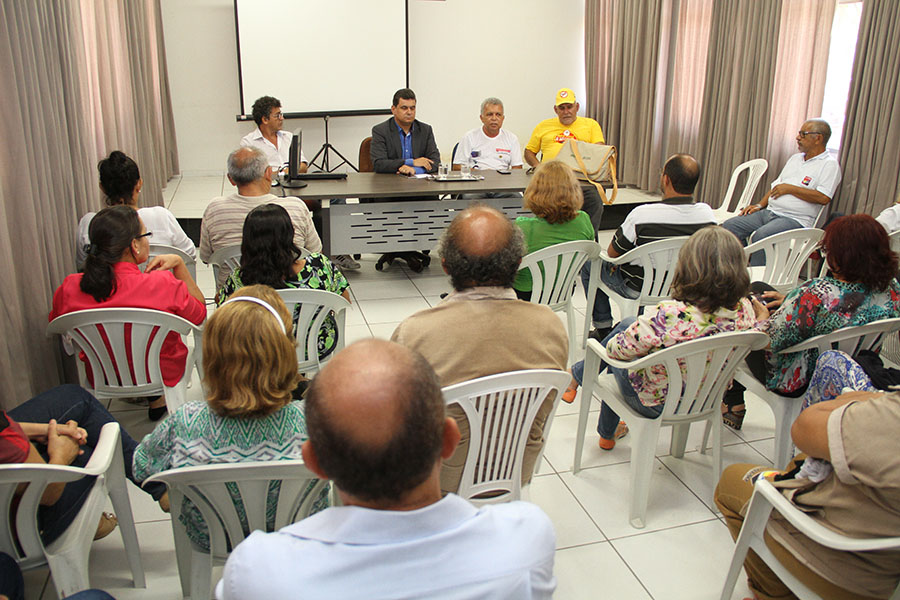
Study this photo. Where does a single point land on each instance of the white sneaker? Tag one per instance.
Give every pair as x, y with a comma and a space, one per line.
345, 261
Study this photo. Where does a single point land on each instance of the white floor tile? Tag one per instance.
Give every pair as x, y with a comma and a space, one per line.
355, 333
766, 448
354, 315
384, 289
759, 423
433, 300
433, 285
561, 443
595, 571
383, 331
670, 564
392, 310
573, 525
604, 493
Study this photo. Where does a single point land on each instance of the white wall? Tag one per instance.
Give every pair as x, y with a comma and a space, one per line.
460, 51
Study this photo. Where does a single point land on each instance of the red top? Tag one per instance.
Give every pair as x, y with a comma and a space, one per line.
157, 290
14, 443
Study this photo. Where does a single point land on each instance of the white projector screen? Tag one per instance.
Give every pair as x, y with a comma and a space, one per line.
341, 57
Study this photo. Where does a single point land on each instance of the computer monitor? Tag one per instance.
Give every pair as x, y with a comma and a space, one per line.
294, 155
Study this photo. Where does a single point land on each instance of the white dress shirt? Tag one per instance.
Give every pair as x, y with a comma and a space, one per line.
278, 157
449, 549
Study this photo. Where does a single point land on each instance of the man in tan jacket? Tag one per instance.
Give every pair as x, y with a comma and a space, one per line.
481, 328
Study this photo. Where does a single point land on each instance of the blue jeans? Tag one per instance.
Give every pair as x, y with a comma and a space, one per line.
760, 225
64, 403
609, 420
611, 275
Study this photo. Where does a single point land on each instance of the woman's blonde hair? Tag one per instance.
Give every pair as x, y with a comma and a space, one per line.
712, 270
553, 193
249, 358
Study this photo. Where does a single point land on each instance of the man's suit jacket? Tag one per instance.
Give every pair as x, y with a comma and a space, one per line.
387, 152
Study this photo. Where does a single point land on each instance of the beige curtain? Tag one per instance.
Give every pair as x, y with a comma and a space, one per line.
736, 110
70, 93
870, 146
800, 70
599, 20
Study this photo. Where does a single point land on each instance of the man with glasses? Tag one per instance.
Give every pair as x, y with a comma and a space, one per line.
805, 185
269, 135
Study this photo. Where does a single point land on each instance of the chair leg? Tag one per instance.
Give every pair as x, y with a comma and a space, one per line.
70, 571
591, 296
201, 574
591, 369
642, 455
679, 439
570, 322
717, 449
757, 515
783, 443
177, 396
118, 495
183, 550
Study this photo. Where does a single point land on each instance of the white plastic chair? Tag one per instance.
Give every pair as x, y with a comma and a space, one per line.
553, 272
658, 260
501, 410
766, 498
315, 306
189, 261
100, 334
851, 340
228, 258
688, 400
786, 253
755, 169
68, 555
206, 487
894, 238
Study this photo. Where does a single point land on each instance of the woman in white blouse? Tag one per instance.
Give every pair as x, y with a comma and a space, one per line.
120, 181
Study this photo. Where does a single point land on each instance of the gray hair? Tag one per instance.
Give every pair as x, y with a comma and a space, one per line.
491, 100
496, 269
821, 126
246, 165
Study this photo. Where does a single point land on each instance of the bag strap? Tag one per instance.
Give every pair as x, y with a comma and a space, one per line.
612, 172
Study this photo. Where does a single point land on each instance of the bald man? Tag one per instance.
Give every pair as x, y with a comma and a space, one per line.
481, 328
377, 428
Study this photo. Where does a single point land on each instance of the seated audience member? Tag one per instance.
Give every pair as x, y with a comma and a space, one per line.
806, 183
858, 289
481, 328
489, 147
890, 217
224, 216
120, 181
677, 215
709, 296
12, 584
61, 427
555, 199
269, 136
858, 497
119, 242
269, 257
378, 429
250, 370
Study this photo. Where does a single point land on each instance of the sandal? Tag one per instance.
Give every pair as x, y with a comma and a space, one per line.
621, 431
732, 417
108, 522
569, 396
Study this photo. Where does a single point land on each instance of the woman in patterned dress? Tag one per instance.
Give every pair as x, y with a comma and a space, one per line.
710, 292
269, 257
250, 370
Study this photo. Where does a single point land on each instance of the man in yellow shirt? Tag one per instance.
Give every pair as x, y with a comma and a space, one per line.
550, 135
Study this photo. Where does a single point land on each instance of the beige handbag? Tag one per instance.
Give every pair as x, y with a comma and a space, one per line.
594, 163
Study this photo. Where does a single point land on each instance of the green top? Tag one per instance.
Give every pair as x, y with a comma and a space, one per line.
539, 234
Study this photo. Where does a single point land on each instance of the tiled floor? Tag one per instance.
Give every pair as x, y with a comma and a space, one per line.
682, 553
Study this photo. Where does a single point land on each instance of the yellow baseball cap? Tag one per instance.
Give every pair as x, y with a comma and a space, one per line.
565, 96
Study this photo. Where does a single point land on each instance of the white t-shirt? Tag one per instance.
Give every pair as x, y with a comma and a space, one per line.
483, 152
448, 549
890, 218
278, 157
157, 219
821, 173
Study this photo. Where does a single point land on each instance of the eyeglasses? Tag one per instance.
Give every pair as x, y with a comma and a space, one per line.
803, 134
146, 235
278, 115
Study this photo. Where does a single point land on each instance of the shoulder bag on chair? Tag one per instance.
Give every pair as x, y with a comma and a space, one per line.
594, 163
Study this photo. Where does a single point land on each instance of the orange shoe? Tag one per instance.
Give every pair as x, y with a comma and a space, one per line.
569, 396
621, 431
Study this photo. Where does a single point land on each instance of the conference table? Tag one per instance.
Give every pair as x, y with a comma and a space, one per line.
402, 213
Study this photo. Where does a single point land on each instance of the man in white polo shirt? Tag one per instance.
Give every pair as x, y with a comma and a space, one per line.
806, 184
489, 146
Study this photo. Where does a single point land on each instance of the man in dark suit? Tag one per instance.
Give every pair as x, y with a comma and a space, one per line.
402, 144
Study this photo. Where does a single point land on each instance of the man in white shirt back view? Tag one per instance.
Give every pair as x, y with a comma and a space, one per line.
377, 428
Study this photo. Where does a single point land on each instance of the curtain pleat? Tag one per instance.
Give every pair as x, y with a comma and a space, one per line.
870, 146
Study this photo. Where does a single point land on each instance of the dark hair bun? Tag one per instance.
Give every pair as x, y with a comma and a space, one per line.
119, 175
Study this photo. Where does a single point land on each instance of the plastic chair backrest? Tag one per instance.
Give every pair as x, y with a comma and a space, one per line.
851, 340
658, 260
554, 269
228, 258
501, 410
755, 169
122, 346
365, 156
786, 253
310, 308
894, 238
206, 486
189, 262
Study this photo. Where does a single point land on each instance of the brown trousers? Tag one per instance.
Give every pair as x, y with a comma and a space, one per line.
732, 496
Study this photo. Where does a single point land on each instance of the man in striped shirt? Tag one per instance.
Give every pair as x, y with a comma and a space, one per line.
223, 219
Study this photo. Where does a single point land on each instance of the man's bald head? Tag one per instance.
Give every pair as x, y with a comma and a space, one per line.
375, 416
246, 165
683, 172
481, 247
